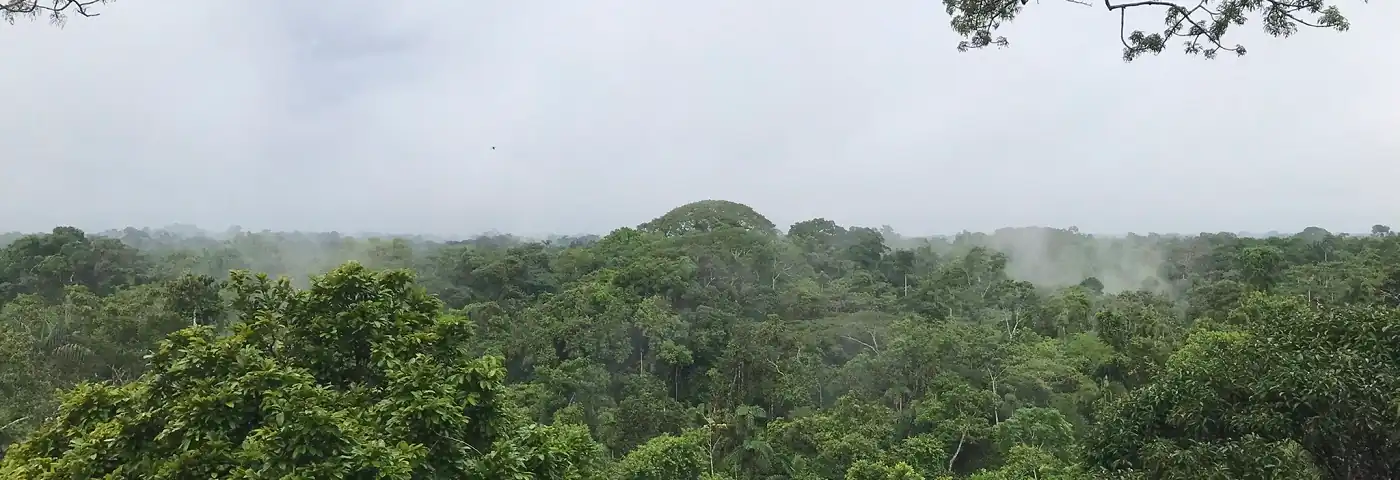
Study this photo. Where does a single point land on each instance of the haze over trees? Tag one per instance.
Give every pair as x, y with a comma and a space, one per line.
706, 343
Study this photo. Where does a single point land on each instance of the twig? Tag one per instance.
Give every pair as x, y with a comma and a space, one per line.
15, 422
56, 9
32, 6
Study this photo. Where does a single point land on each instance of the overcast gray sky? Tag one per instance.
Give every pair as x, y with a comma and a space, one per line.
370, 115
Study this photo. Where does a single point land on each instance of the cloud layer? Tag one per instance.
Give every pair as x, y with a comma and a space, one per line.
608, 113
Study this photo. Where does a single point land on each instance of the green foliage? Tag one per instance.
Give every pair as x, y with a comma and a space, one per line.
666, 457
360, 376
43, 264
704, 344
1292, 390
708, 216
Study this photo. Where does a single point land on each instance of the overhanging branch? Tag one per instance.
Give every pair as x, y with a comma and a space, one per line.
56, 10
1203, 24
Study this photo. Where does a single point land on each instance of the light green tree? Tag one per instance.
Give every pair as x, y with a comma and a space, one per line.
359, 376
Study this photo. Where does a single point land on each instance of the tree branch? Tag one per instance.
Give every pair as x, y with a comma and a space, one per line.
1155, 43
867, 345
1204, 25
13, 423
56, 10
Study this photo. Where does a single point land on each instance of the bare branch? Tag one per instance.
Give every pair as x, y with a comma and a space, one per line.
17, 421
56, 10
867, 345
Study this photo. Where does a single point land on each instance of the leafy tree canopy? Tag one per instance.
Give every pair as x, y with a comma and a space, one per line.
705, 344
360, 376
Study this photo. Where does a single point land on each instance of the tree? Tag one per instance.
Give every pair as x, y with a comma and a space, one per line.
708, 216
1201, 26
361, 376
1293, 391
44, 264
704, 345
57, 11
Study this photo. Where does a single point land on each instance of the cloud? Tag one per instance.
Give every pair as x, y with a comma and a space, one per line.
370, 116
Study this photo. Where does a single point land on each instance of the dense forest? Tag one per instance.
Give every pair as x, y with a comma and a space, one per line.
704, 344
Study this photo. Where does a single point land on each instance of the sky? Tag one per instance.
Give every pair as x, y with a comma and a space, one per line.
382, 116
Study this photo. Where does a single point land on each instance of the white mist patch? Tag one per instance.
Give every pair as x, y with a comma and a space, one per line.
1055, 257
